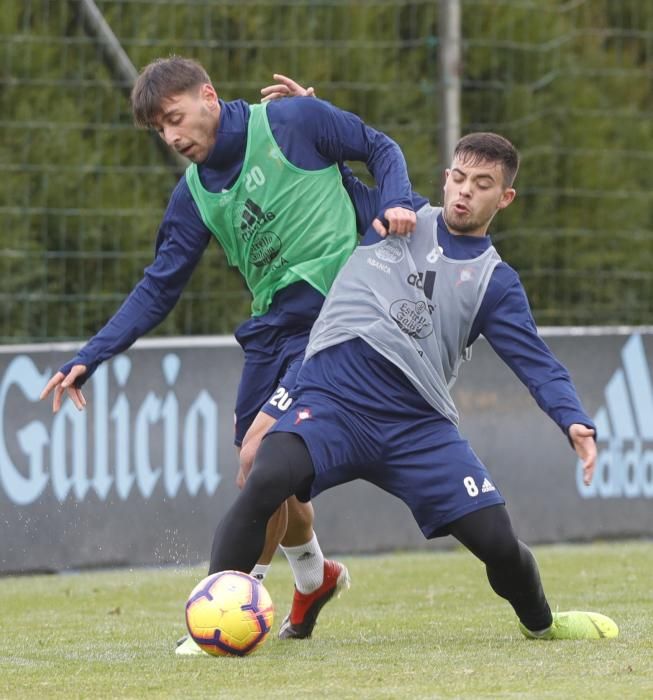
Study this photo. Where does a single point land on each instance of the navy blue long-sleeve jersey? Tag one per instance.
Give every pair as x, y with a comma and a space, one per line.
504, 317
312, 135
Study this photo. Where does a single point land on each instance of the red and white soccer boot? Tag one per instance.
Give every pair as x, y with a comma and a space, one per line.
301, 619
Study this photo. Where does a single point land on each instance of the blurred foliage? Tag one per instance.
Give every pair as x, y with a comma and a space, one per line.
578, 103
83, 191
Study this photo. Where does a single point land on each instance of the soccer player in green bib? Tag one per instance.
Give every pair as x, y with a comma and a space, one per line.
264, 181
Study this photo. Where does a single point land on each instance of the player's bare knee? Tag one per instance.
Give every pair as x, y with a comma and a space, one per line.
300, 515
247, 455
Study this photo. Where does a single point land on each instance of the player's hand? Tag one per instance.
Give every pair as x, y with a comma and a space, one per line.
240, 478
62, 383
582, 438
285, 87
400, 221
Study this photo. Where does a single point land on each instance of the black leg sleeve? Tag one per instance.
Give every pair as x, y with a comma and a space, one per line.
511, 567
282, 468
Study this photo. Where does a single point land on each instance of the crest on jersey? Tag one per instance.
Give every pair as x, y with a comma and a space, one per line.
466, 275
302, 415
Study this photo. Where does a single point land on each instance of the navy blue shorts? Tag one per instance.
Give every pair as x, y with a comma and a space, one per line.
272, 360
423, 460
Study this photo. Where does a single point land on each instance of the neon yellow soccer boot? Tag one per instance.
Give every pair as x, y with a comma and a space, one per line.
576, 624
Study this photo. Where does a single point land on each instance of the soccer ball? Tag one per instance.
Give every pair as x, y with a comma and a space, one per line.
229, 614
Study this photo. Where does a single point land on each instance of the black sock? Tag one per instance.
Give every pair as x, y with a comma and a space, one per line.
283, 467
511, 567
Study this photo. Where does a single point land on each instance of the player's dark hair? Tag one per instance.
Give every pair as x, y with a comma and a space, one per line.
488, 147
160, 80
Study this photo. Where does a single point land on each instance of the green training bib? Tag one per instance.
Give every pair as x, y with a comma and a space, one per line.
278, 224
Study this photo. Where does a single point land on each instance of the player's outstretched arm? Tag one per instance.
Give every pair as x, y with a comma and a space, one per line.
582, 438
62, 383
285, 87
399, 220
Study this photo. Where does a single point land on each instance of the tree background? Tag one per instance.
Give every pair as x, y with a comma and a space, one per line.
571, 83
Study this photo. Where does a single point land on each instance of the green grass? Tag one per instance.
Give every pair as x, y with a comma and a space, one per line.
422, 625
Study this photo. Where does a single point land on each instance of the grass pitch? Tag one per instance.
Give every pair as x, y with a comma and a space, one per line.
422, 625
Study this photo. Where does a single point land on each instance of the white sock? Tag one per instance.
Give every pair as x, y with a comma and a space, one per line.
260, 571
307, 564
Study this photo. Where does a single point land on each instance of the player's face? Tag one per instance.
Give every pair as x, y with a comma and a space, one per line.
473, 194
188, 122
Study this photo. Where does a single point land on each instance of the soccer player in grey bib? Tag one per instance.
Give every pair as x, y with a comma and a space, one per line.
372, 398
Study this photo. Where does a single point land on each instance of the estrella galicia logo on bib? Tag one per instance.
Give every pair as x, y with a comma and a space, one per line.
412, 317
265, 247
391, 251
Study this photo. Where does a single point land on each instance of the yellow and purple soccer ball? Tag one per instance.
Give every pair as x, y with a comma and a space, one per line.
229, 614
